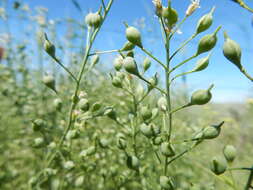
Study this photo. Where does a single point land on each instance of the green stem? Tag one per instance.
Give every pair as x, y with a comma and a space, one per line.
180, 108
177, 27
103, 52
246, 74
243, 5
179, 75
183, 62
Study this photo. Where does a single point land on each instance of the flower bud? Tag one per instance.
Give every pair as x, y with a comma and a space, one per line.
134, 36
128, 46
170, 15
201, 97
167, 149
84, 104
133, 162
146, 113
130, 65
166, 183
49, 81
146, 130
205, 22
218, 166
232, 51
146, 64
212, 132
118, 62
201, 64
49, 47
207, 42
162, 104
229, 152
116, 81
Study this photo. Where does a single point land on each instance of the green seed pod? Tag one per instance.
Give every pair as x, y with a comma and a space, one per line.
79, 181
146, 64
103, 143
170, 15
96, 106
128, 46
88, 19
49, 47
146, 130
110, 112
58, 104
130, 54
118, 62
157, 140
218, 166
162, 104
201, 97
93, 19
166, 183
229, 152
69, 165
38, 125
212, 132
133, 162
130, 65
95, 59
121, 142
73, 134
39, 142
205, 22
116, 81
201, 64
167, 149
232, 51
49, 81
207, 42
84, 104
152, 82
134, 36
146, 113
155, 129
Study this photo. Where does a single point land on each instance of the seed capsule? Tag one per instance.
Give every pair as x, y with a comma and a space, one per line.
152, 82
116, 81
93, 19
201, 64
118, 62
145, 113
157, 140
110, 112
207, 42
96, 106
167, 149
39, 124
146, 130
162, 104
39, 142
121, 143
212, 132
72, 134
58, 104
133, 162
128, 46
232, 51
205, 22
49, 81
95, 59
130, 65
229, 152
201, 97
49, 47
84, 104
218, 166
146, 64
170, 15
166, 183
134, 36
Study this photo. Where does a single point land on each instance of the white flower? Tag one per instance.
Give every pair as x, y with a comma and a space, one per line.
192, 7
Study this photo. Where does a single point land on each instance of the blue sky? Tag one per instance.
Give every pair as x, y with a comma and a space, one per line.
230, 84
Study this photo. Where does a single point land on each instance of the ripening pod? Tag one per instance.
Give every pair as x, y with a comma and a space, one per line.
39, 142
134, 36
116, 81
49, 81
93, 19
49, 47
133, 162
130, 54
128, 46
58, 104
96, 106
103, 143
79, 181
157, 140
146, 64
232, 51
39, 125
84, 104
205, 22
146, 130
110, 112
212, 132
218, 165
229, 152
167, 149
166, 183
155, 129
130, 65
121, 142
94, 59
207, 42
117, 63
170, 15
162, 104
69, 165
152, 82
73, 134
202, 64
146, 113
88, 152
201, 97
